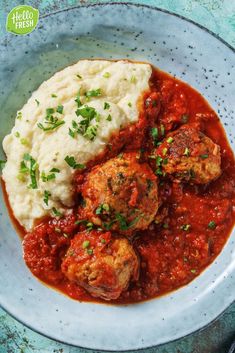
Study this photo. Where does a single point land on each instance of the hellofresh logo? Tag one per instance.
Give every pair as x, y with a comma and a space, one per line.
22, 20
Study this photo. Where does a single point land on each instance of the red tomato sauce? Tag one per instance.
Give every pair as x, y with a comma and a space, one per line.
175, 251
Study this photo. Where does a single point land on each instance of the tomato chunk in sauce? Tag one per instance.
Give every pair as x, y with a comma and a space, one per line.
193, 221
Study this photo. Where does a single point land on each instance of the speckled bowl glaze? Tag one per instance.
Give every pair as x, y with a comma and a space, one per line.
176, 46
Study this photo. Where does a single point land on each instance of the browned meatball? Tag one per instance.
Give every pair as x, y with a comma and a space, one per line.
121, 194
189, 155
102, 265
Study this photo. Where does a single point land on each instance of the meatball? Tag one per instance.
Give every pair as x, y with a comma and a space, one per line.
121, 194
101, 264
188, 155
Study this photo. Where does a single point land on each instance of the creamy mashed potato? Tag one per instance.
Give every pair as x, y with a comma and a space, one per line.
47, 130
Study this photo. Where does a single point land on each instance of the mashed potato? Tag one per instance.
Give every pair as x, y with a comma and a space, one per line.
66, 123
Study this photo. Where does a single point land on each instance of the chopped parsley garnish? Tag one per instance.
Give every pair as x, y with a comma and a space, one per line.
37, 102
211, 225
85, 244
106, 75
104, 207
165, 225
185, 227
106, 105
54, 95
29, 166
56, 212
109, 118
184, 118
70, 160
85, 128
165, 161
19, 116
204, 156
154, 134
2, 164
50, 176
103, 241
78, 100
17, 134
186, 152
93, 93
193, 270
164, 151
91, 132
54, 170
158, 171
170, 139
133, 79
79, 76
123, 223
60, 109
129, 104
47, 194
158, 161
90, 251
149, 184
51, 122
24, 142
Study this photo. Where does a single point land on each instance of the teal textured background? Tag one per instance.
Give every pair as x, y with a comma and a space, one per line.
219, 17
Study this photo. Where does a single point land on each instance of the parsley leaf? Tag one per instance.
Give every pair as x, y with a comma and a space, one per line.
70, 160
47, 194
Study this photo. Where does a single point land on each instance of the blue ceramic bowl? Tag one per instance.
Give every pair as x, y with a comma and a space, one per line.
176, 46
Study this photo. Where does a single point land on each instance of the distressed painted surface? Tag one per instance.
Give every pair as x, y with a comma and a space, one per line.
219, 17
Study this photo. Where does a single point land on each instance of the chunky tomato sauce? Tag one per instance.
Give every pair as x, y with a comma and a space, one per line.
194, 221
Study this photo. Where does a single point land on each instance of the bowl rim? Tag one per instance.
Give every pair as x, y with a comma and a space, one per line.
229, 46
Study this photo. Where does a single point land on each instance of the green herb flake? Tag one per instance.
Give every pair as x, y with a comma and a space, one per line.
158, 161
165, 225
103, 241
129, 104
79, 76
106, 75
133, 79
70, 160
185, 227
211, 225
93, 93
89, 251
60, 109
37, 102
170, 139
56, 212
2, 164
51, 122
24, 142
19, 116
85, 244
164, 151
106, 105
158, 171
17, 134
55, 170
186, 152
109, 118
78, 100
54, 95
102, 208
193, 270
30, 166
154, 134
47, 194
204, 156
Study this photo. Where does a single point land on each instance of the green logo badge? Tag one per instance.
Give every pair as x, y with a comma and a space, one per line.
22, 20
